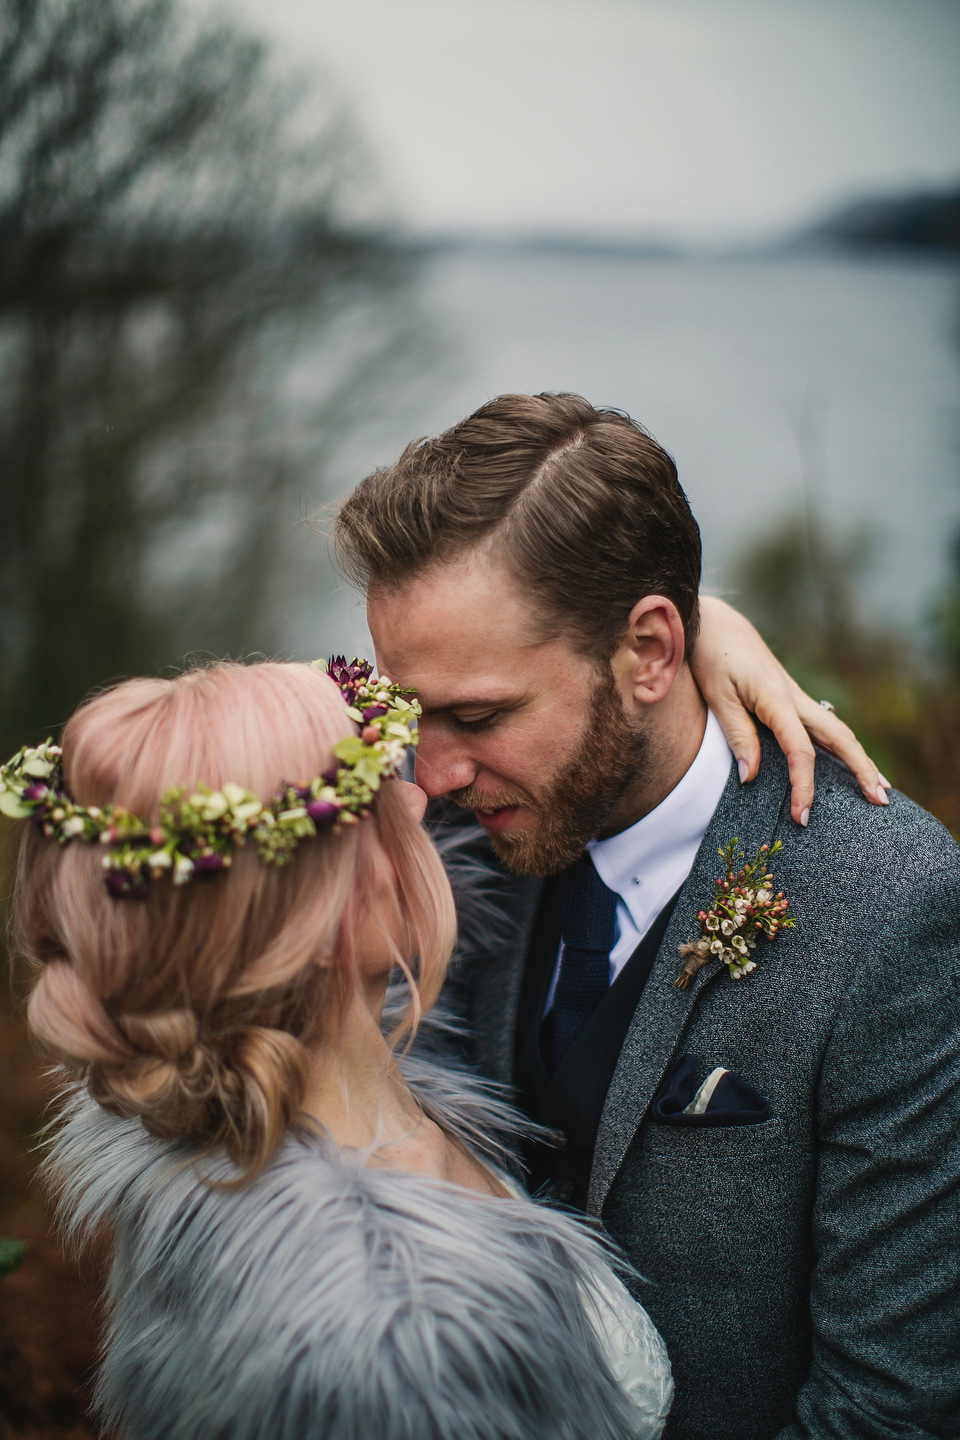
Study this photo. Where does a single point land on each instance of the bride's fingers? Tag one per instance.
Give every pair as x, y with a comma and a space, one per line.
779, 713
832, 734
797, 721
737, 724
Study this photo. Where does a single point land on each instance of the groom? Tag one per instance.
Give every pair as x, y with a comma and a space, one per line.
777, 1154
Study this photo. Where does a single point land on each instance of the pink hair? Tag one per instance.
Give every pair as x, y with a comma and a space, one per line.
194, 1008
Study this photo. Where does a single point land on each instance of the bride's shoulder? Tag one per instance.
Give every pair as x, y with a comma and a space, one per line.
173, 1201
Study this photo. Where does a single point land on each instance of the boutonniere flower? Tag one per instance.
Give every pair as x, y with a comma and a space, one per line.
745, 908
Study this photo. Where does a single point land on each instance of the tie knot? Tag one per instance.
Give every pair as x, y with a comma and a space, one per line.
588, 909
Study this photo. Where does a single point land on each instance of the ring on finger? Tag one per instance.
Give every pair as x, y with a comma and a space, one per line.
828, 705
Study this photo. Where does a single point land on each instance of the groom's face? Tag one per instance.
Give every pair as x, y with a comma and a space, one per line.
517, 725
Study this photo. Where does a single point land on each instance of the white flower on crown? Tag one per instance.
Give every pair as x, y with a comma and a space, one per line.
182, 869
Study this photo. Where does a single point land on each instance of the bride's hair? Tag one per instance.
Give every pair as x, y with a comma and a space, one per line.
193, 1008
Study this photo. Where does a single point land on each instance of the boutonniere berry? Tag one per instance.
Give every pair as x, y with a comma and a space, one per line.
745, 907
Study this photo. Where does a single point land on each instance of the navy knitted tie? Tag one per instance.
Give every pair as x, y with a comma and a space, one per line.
588, 925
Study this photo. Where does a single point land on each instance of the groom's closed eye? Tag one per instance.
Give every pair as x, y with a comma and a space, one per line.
474, 725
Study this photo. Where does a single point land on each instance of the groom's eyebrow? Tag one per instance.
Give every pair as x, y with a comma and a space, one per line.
472, 702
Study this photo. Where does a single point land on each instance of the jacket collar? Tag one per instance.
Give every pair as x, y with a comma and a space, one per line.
645, 864
751, 813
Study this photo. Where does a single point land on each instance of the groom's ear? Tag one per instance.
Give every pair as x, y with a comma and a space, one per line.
650, 652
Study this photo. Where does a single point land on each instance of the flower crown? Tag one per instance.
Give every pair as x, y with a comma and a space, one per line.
196, 834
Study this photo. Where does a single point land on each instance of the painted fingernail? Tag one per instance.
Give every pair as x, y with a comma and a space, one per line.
882, 795
885, 783
805, 816
742, 767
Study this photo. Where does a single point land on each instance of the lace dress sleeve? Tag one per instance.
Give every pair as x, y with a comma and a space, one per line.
635, 1353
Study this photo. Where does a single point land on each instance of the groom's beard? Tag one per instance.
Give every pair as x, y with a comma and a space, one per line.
578, 802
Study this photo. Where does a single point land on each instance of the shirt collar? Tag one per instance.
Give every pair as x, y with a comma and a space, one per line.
663, 844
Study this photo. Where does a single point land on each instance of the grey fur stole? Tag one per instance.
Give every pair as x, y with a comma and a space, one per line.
332, 1301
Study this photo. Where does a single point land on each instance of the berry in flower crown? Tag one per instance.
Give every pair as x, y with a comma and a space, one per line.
196, 834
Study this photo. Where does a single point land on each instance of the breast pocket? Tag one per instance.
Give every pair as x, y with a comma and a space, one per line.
693, 1144
705, 1209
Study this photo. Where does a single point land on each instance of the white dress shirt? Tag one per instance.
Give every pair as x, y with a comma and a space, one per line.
648, 863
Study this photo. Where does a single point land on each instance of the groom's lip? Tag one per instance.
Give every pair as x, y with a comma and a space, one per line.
497, 819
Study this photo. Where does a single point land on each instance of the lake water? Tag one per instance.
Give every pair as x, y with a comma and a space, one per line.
772, 382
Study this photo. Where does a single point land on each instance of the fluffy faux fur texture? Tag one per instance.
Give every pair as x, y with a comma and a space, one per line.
329, 1299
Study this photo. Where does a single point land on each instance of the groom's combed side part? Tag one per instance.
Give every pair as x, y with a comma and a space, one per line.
580, 504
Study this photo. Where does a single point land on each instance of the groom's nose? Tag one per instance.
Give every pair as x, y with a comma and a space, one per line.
442, 762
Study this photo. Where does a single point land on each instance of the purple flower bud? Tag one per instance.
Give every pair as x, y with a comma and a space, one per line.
36, 792
374, 712
124, 886
329, 777
208, 863
322, 812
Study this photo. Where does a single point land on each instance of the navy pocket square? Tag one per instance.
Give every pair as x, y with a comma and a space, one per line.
722, 1098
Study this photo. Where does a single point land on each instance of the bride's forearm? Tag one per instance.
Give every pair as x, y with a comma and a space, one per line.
740, 677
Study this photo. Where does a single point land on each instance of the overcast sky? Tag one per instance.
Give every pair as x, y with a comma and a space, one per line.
704, 119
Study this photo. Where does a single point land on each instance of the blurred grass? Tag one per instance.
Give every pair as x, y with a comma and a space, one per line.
899, 693
11, 1255
909, 722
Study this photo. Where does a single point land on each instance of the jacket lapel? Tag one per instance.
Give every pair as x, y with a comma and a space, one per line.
750, 813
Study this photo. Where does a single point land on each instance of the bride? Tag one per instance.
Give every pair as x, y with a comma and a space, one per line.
313, 1233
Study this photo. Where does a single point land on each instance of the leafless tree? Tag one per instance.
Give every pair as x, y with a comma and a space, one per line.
181, 231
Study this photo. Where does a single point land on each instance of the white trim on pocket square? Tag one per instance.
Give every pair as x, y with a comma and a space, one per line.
704, 1095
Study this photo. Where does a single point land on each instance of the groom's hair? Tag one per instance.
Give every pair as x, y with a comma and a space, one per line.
582, 505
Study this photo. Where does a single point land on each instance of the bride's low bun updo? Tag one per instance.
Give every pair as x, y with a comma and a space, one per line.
242, 1093
194, 1010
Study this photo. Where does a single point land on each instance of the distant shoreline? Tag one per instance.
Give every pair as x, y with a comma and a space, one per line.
590, 247
910, 226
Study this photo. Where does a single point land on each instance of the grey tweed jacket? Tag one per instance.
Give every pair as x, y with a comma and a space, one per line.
805, 1271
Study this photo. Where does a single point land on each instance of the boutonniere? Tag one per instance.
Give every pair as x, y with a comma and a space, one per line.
744, 908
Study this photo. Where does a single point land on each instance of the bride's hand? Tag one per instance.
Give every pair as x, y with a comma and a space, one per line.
739, 677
